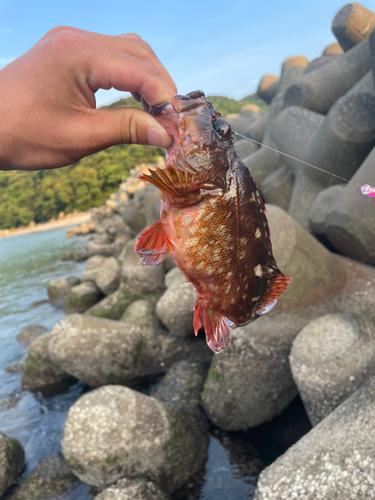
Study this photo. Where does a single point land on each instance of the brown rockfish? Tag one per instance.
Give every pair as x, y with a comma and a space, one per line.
212, 221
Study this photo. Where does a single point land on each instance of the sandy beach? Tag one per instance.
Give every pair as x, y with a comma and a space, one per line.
68, 221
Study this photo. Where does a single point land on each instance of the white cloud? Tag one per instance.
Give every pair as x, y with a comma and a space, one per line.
5, 60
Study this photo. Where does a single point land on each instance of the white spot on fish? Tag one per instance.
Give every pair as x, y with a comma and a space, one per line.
210, 271
203, 230
258, 271
244, 296
200, 266
229, 274
228, 215
192, 242
243, 241
233, 301
254, 299
238, 289
208, 217
258, 234
228, 288
252, 197
242, 254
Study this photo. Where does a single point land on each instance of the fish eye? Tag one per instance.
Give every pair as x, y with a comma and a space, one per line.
222, 128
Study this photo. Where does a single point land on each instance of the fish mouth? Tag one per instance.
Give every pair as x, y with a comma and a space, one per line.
180, 103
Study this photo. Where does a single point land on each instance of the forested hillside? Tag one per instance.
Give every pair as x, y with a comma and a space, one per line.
39, 196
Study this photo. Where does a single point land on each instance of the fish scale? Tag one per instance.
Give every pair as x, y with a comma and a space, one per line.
212, 221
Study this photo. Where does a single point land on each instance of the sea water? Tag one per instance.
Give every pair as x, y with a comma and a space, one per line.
28, 263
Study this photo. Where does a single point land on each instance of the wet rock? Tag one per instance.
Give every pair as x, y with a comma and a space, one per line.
176, 309
352, 24
38, 303
12, 458
331, 358
332, 49
16, 367
277, 188
80, 256
267, 88
181, 387
251, 382
319, 89
30, 333
50, 479
350, 223
102, 238
113, 306
82, 297
108, 276
142, 313
58, 290
133, 489
100, 351
115, 432
40, 373
334, 460
321, 206
141, 278
67, 256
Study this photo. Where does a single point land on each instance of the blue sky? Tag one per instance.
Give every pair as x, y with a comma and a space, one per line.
221, 47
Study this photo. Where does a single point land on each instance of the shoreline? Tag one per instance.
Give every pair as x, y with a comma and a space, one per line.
46, 226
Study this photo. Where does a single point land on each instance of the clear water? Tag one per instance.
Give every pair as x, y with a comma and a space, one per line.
28, 263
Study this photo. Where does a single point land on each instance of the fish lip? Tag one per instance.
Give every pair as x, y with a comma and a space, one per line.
158, 109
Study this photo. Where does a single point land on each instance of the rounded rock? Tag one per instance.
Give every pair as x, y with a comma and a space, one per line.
12, 458
115, 432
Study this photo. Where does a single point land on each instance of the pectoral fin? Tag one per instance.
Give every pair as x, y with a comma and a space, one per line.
153, 245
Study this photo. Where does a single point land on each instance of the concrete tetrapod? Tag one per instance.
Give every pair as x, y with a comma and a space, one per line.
350, 223
267, 87
340, 144
319, 89
265, 161
331, 358
352, 24
334, 461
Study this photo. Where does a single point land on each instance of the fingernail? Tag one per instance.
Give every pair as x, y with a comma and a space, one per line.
158, 136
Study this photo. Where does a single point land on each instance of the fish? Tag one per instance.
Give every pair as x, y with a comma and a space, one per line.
212, 221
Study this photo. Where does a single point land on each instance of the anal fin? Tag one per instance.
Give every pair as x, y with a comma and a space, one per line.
215, 326
153, 245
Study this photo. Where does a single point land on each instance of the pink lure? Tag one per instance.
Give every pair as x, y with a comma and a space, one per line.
370, 191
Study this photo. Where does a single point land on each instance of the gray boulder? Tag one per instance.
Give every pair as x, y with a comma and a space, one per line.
141, 278
330, 359
332, 49
58, 290
174, 277
104, 249
80, 256
40, 373
113, 306
108, 276
176, 309
133, 489
12, 458
50, 479
67, 256
92, 266
119, 244
257, 128
239, 123
142, 313
15, 367
333, 461
82, 297
352, 24
115, 432
245, 148
181, 387
100, 351
30, 333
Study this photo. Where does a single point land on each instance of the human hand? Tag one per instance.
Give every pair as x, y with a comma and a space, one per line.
48, 115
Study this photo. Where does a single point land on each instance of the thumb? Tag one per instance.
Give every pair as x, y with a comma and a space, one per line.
108, 127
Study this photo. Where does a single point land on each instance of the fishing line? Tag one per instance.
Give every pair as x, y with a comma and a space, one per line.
366, 189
